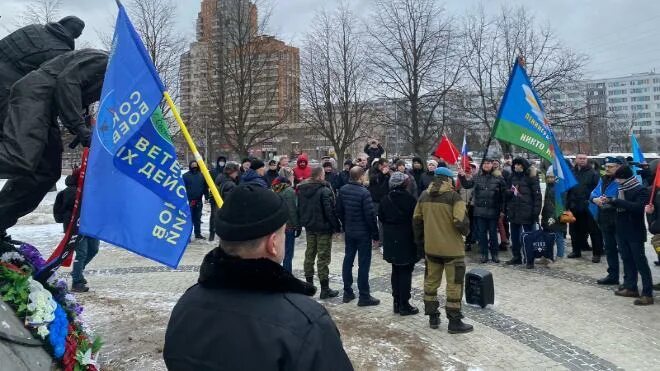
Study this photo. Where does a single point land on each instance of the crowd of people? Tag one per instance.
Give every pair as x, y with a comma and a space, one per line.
425, 212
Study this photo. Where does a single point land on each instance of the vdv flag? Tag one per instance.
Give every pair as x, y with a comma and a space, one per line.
637, 154
521, 121
134, 196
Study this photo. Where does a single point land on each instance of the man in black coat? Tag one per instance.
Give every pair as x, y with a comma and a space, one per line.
631, 235
417, 172
578, 203
344, 177
27, 48
488, 194
523, 205
196, 188
31, 146
355, 209
218, 170
316, 210
227, 181
374, 150
247, 312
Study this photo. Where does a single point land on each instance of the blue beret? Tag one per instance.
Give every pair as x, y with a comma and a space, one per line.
613, 160
443, 171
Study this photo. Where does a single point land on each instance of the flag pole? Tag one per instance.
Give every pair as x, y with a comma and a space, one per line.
193, 148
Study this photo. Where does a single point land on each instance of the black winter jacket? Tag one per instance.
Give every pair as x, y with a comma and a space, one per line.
606, 213
316, 207
355, 209
252, 177
373, 153
342, 179
64, 202
195, 185
396, 213
548, 211
488, 194
225, 185
578, 196
425, 181
378, 185
630, 223
270, 176
250, 314
526, 206
417, 174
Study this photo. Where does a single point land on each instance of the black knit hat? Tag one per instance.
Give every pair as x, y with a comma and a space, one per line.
256, 164
624, 172
250, 212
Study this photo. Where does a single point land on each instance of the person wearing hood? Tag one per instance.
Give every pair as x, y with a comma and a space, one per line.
246, 312
255, 174
283, 186
245, 165
439, 223
218, 170
27, 48
578, 203
396, 213
302, 170
631, 235
31, 143
87, 247
272, 173
550, 221
417, 172
316, 210
196, 188
523, 204
488, 196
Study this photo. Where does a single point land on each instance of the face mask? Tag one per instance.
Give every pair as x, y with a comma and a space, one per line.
221, 163
194, 169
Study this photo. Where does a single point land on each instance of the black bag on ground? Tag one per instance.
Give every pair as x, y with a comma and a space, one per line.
538, 244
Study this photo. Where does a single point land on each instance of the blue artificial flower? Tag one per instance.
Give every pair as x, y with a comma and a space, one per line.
58, 331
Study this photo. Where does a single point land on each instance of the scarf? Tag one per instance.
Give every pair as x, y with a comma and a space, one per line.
628, 184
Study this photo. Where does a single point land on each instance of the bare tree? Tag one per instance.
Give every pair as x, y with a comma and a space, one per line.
334, 82
251, 91
39, 11
415, 63
491, 46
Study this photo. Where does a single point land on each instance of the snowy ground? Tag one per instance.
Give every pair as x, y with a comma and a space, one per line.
552, 317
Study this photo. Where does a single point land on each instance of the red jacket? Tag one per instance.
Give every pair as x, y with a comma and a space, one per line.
302, 170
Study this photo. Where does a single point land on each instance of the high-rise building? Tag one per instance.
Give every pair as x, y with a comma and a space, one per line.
227, 34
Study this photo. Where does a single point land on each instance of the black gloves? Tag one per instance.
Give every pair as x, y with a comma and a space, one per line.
84, 135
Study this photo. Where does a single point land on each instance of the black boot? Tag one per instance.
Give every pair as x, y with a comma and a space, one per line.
408, 310
514, 261
484, 260
431, 310
456, 326
395, 305
310, 280
326, 291
211, 237
493, 254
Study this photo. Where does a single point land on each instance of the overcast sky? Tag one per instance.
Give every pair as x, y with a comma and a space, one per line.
619, 36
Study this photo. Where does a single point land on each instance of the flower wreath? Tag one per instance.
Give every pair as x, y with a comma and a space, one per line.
50, 312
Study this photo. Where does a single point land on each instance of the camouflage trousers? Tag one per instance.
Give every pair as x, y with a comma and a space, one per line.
455, 269
318, 244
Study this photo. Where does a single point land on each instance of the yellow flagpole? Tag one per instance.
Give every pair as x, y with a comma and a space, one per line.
193, 148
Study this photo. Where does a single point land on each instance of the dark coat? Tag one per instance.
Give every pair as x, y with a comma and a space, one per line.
252, 177
378, 184
333, 179
225, 185
64, 202
548, 211
526, 206
425, 181
373, 153
250, 314
488, 194
578, 196
417, 175
270, 176
355, 209
196, 187
342, 179
62, 87
396, 214
607, 212
630, 223
316, 207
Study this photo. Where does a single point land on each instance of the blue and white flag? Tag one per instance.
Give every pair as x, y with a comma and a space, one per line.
637, 154
134, 195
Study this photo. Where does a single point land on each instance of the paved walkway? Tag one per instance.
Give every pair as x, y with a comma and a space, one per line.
552, 317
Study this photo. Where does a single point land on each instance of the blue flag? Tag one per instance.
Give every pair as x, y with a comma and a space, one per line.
521, 121
637, 154
134, 196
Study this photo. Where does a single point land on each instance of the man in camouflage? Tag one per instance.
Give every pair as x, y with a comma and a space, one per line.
440, 221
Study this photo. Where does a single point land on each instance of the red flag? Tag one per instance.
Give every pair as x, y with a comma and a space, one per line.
656, 184
447, 151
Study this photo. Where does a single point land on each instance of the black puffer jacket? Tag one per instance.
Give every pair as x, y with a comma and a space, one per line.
225, 185
488, 195
316, 207
356, 211
578, 196
525, 207
251, 314
396, 213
